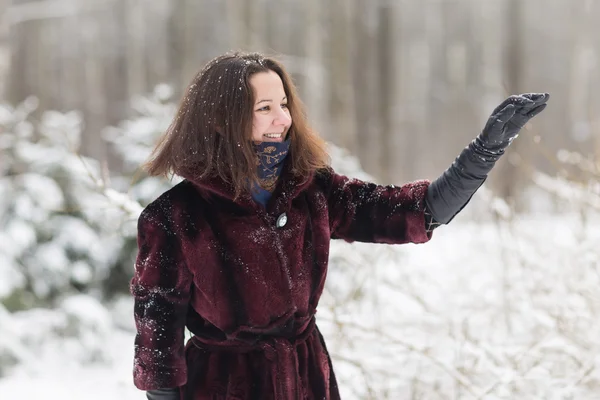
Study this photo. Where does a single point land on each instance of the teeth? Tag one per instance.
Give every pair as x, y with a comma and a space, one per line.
273, 135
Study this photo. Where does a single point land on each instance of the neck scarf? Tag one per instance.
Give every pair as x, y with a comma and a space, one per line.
270, 159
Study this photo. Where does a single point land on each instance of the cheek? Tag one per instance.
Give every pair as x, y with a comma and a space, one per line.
258, 127
259, 123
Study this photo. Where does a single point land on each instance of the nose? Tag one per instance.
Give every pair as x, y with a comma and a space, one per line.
282, 117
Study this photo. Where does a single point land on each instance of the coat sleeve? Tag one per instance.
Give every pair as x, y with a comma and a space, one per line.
161, 289
366, 212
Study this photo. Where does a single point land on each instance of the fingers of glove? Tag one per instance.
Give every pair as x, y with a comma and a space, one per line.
537, 98
516, 100
536, 110
523, 115
505, 114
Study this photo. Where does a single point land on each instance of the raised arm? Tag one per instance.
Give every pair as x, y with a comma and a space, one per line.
366, 212
451, 192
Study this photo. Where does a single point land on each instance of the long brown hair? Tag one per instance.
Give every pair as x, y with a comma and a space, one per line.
211, 134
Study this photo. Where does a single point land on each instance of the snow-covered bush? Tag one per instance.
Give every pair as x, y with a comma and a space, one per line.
62, 228
73, 334
67, 243
69, 225
134, 139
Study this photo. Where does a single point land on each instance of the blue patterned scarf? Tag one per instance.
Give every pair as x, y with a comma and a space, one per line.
270, 158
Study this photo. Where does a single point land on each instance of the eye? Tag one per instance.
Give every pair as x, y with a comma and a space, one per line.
265, 108
284, 105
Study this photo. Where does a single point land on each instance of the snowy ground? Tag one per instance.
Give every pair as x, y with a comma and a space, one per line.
485, 310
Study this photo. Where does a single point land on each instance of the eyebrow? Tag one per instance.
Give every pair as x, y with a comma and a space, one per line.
269, 100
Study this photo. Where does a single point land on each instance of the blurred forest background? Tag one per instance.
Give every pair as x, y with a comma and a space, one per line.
502, 304
402, 84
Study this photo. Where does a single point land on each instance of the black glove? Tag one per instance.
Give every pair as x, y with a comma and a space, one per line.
508, 118
163, 394
450, 193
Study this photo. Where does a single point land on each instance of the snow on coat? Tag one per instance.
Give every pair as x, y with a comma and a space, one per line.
246, 281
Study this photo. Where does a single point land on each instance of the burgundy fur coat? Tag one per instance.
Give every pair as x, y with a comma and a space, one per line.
246, 282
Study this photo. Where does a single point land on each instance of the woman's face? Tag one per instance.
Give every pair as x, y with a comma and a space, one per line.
272, 119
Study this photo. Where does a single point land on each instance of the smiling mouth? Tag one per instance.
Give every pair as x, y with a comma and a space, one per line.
273, 135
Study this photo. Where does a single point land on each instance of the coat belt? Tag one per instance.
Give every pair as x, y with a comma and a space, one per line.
279, 348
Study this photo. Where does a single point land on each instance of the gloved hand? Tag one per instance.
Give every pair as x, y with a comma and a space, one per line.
508, 118
450, 193
163, 394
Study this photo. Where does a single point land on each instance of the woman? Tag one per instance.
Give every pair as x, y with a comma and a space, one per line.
238, 251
